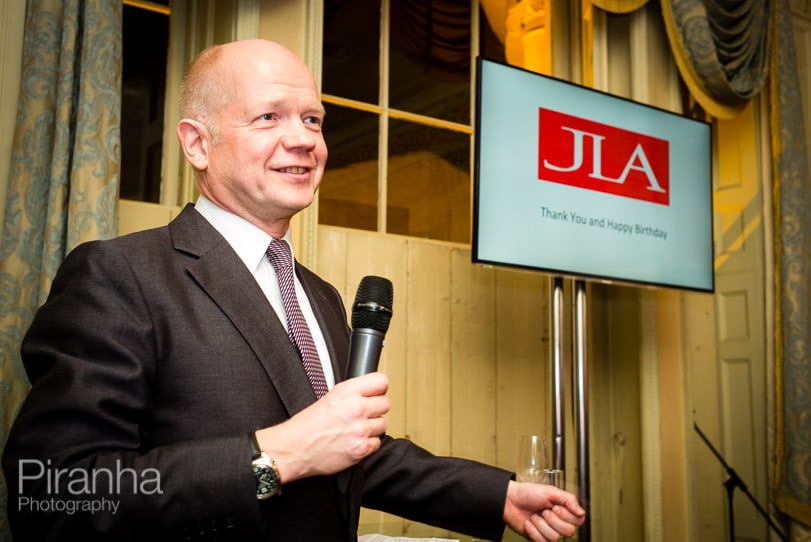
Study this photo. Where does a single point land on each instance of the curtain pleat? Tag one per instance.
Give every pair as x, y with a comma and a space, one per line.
792, 226
63, 179
721, 49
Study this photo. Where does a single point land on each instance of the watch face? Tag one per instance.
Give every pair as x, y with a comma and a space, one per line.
267, 479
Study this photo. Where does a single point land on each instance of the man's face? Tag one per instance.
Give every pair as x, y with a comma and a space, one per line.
269, 154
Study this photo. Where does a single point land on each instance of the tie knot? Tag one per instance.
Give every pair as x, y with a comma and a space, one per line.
279, 253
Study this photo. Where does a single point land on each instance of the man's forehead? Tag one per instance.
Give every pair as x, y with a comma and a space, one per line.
281, 93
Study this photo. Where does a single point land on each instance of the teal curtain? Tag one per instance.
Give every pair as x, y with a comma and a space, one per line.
792, 205
63, 179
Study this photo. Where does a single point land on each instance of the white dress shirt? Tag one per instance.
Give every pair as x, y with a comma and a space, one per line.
251, 243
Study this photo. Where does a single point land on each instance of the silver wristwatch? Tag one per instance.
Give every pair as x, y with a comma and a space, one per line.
268, 482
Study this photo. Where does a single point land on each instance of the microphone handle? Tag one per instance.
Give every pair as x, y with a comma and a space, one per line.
364, 354
364, 351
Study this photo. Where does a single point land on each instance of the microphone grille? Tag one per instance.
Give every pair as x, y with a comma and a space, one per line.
373, 301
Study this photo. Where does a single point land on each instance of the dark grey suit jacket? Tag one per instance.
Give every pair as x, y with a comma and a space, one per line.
153, 358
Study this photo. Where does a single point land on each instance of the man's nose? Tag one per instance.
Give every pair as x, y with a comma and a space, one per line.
298, 135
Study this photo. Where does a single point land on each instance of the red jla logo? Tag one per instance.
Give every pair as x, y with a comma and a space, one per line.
586, 154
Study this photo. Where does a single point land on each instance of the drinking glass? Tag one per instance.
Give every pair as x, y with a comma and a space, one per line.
533, 458
553, 477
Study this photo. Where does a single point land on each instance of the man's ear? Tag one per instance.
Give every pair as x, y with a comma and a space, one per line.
194, 139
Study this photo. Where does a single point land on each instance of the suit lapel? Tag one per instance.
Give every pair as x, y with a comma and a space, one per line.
219, 271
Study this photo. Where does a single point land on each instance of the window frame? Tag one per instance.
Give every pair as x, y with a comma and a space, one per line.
385, 112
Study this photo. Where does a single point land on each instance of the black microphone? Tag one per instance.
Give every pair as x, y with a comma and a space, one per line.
371, 315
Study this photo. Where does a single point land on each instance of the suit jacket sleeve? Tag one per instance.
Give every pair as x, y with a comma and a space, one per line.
457, 494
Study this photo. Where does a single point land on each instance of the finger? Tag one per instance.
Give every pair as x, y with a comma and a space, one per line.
540, 530
574, 507
531, 531
558, 524
566, 515
374, 444
371, 384
367, 385
377, 426
377, 406
363, 448
568, 505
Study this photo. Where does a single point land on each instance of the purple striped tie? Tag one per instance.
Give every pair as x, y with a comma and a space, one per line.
279, 255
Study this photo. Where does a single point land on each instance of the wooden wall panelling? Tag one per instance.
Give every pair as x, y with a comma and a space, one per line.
616, 428
139, 215
473, 363
670, 387
624, 324
604, 483
331, 262
428, 346
523, 392
705, 496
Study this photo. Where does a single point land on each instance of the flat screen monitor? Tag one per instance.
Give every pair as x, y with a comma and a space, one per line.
573, 181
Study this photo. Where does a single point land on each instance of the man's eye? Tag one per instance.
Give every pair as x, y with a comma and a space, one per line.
268, 116
313, 120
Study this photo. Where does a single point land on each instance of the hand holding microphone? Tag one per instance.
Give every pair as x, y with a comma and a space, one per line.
343, 427
371, 314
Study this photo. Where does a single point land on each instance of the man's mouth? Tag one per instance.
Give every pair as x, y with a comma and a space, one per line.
294, 170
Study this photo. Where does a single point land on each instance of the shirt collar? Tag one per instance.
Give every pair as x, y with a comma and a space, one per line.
248, 241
